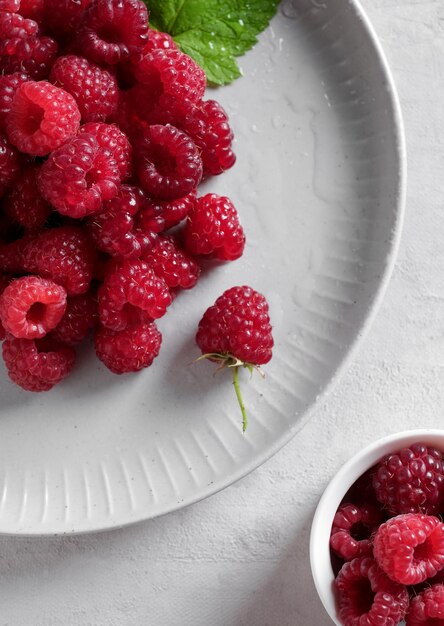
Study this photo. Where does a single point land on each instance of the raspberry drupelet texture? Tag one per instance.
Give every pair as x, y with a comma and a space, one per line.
410, 548
13, 28
366, 596
24, 205
80, 317
411, 481
9, 83
30, 307
130, 294
168, 162
128, 350
42, 118
172, 264
213, 229
79, 176
33, 9
63, 17
94, 89
427, 608
111, 30
159, 215
352, 530
4, 282
237, 325
10, 5
170, 71
115, 143
113, 229
9, 164
159, 41
37, 365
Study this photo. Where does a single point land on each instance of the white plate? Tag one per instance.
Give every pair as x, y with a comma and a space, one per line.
319, 184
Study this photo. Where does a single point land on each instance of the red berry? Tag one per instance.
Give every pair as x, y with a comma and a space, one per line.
111, 30
352, 529
33, 9
63, 17
37, 365
42, 118
367, 597
115, 143
30, 307
158, 215
172, 264
237, 326
4, 282
79, 176
10, 5
427, 608
159, 41
95, 90
14, 27
80, 316
130, 294
411, 481
168, 163
24, 205
410, 548
128, 350
9, 164
213, 229
9, 83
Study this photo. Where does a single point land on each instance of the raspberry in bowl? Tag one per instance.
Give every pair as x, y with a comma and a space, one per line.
377, 537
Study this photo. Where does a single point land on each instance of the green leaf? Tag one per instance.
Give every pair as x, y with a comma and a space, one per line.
213, 32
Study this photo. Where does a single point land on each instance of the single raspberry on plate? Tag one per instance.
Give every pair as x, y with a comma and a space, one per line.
352, 529
213, 229
128, 350
64, 255
111, 30
63, 17
10, 5
24, 205
130, 294
167, 162
9, 164
159, 41
42, 118
9, 83
80, 317
30, 307
39, 364
427, 608
411, 481
33, 9
113, 229
160, 215
366, 596
94, 89
79, 176
115, 143
170, 71
410, 548
172, 264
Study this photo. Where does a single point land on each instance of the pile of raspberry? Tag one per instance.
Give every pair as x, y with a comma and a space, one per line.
105, 136
387, 542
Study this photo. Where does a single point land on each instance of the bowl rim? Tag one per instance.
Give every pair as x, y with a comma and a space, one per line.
348, 473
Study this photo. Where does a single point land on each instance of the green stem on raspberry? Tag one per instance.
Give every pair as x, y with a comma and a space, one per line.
239, 398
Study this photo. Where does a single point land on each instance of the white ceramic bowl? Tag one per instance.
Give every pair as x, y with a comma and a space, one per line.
320, 531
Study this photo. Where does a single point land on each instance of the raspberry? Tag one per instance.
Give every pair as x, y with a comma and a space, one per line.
113, 229
213, 228
172, 264
169, 71
14, 27
352, 529
160, 215
33, 9
4, 282
80, 316
130, 294
10, 5
64, 255
37, 365
63, 17
31, 306
95, 90
9, 164
427, 609
24, 205
366, 596
8, 86
42, 118
111, 30
168, 165
410, 548
114, 142
79, 176
22, 51
128, 350
237, 326
159, 41
411, 481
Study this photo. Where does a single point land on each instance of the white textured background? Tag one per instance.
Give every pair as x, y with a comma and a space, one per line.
241, 557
